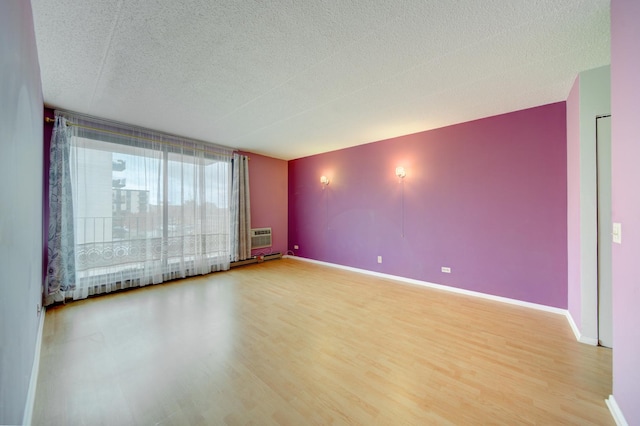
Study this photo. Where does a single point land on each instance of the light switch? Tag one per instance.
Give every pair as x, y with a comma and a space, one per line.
617, 232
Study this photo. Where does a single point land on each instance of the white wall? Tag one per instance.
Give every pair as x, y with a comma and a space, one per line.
594, 98
21, 115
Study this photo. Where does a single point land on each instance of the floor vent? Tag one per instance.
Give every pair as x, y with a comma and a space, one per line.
260, 238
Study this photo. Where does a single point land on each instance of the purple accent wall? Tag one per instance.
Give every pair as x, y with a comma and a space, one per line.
625, 110
487, 198
268, 188
573, 203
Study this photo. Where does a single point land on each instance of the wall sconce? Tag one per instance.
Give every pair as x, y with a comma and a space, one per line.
324, 181
401, 173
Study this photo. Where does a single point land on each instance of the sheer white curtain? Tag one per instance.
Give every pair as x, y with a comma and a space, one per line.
147, 207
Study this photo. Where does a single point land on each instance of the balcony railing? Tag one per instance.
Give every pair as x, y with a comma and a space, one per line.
123, 243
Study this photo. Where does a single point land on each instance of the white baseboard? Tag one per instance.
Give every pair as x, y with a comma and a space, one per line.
615, 411
611, 402
579, 337
33, 382
439, 287
576, 331
574, 327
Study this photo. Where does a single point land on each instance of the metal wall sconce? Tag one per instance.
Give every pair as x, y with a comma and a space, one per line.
401, 173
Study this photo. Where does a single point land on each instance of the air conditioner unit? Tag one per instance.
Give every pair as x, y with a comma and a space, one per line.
260, 237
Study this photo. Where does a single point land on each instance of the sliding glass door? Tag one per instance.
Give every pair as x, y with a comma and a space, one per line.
146, 211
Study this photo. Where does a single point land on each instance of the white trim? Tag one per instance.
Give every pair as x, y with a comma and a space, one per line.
576, 331
573, 325
588, 341
616, 412
439, 287
31, 393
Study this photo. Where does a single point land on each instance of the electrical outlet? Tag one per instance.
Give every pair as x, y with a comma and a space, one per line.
446, 269
617, 232
295, 247
379, 259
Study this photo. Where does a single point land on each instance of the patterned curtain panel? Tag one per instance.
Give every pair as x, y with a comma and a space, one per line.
240, 209
61, 273
146, 207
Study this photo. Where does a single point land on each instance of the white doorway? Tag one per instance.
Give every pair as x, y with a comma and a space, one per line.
603, 154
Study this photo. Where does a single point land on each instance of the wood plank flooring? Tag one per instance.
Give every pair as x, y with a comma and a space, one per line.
293, 343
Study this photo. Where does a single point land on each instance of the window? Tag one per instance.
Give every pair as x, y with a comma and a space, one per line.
146, 207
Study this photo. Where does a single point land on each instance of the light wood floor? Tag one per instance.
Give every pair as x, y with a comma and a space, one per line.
289, 342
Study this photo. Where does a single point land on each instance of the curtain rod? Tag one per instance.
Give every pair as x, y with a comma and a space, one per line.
111, 132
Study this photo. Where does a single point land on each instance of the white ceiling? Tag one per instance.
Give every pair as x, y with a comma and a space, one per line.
292, 78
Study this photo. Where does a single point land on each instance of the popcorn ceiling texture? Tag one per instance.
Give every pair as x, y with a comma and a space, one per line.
289, 78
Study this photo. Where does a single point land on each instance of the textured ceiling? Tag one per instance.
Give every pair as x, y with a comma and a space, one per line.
291, 78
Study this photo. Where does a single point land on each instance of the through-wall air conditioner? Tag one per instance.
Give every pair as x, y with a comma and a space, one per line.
260, 238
